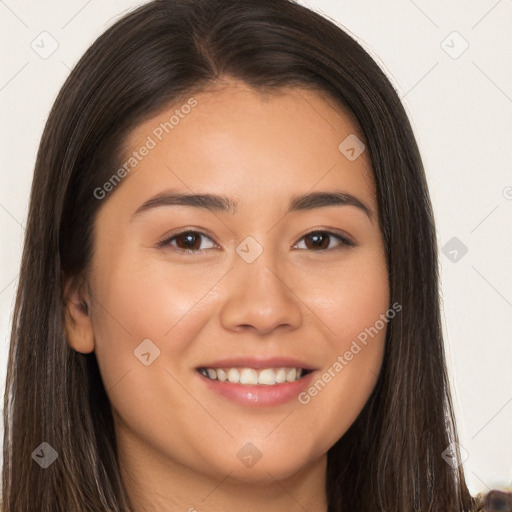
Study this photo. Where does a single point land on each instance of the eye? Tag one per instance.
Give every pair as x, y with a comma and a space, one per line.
188, 241
318, 240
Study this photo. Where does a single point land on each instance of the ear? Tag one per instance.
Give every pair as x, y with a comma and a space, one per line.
77, 316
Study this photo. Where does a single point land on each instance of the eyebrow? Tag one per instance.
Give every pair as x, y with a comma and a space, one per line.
223, 203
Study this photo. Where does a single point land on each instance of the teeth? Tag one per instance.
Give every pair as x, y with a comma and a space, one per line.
267, 376
248, 376
251, 376
291, 375
280, 375
233, 375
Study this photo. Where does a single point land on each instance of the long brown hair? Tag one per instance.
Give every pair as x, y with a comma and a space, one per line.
393, 456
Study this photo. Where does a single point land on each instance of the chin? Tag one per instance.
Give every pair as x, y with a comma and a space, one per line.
268, 465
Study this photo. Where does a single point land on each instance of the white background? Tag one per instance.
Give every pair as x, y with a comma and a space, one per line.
461, 111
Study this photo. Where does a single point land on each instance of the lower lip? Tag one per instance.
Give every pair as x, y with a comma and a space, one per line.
259, 395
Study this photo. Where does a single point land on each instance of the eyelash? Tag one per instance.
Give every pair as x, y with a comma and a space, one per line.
166, 242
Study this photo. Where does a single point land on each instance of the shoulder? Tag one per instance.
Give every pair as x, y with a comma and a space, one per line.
479, 502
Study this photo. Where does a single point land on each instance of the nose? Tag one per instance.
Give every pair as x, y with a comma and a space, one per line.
259, 296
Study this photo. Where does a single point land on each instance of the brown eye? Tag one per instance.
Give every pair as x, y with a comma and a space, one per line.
189, 241
320, 240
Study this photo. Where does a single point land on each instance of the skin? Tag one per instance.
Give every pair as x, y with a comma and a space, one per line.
177, 440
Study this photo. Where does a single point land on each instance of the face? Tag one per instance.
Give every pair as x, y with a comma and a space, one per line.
253, 282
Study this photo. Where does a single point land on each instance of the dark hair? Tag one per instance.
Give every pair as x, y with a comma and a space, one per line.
392, 457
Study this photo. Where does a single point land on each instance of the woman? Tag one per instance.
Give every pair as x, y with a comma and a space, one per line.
296, 362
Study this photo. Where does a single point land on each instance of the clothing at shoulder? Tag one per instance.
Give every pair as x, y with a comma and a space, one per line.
500, 501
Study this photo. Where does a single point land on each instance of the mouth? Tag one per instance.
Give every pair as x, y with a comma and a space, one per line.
271, 376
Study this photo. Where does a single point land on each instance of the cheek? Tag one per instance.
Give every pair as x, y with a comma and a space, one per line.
354, 308
364, 297
147, 300
132, 305
349, 297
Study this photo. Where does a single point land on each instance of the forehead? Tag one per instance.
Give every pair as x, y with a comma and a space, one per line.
233, 137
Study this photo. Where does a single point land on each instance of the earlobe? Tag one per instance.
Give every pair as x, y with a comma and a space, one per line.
77, 319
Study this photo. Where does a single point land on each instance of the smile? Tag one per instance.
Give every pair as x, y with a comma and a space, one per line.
252, 376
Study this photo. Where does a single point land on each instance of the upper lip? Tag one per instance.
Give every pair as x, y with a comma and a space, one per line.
258, 363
